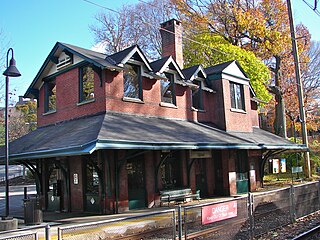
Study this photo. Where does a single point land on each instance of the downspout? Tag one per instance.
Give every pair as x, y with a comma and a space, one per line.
116, 182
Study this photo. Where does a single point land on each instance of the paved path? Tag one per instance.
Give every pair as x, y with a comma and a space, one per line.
15, 199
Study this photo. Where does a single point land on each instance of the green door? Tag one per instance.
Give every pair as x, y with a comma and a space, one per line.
242, 183
136, 184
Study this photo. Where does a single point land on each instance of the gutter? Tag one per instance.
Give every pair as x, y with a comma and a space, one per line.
95, 145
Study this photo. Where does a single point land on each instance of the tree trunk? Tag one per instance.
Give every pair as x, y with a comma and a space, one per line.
280, 118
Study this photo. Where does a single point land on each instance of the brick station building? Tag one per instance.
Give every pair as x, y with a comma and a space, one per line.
115, 130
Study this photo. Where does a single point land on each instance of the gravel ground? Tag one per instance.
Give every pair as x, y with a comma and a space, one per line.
293, 230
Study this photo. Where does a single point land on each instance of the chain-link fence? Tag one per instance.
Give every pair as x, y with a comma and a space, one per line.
217, 220
247, 217
156, 225
244, 217
20, 236
306, 199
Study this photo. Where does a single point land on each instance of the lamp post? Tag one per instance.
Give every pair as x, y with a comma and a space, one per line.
11, 71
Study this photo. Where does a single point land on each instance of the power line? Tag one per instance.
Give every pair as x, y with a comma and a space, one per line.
313, 8
163, 29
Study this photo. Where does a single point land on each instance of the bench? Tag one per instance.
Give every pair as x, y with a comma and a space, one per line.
177, 194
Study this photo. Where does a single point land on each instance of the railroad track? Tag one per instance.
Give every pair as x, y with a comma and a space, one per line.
313, 233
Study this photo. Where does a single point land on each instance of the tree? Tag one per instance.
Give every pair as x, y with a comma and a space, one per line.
133, 24
28, 115
22, 120
214, 50
260, 26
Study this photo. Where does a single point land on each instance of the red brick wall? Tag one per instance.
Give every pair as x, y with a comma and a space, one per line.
109, 97
237, 120
67, 86
254, 114
152, 98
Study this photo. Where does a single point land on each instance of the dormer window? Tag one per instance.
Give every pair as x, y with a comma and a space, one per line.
50, 96
86, 80
237, 96
197, 96
132, 81
167, 89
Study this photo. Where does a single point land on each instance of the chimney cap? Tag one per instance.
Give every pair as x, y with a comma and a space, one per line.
170, 22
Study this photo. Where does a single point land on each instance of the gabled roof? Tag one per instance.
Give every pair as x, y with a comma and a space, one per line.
192, 72
97, 59
226, 68
120, 58
106, 131
160, 66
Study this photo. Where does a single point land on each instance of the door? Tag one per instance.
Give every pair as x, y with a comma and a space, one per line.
242, 172
136, 184
54, 191
201, 183
92, 185
218, 173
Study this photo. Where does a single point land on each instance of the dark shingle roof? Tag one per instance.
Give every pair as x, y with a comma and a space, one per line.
217, 68
115, 131
158, 64
188, 72
119, 56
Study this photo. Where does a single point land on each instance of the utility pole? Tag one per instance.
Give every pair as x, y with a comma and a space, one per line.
300, 91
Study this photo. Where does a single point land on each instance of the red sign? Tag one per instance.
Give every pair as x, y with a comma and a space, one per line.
218, 212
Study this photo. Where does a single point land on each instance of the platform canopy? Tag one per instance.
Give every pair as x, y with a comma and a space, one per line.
121, 131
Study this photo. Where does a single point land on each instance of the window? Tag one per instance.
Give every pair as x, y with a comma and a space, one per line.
197, 101
132, 81
86, 84
167, 89
170, 171
237, 97
50, 95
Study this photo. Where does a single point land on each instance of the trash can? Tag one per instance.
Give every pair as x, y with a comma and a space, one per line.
32, 211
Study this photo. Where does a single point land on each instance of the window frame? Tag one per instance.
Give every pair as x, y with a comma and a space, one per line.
81, 97
139, 71
171, 77
237, 100
47, 95
199, 90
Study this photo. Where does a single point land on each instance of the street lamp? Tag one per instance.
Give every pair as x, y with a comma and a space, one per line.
11, 71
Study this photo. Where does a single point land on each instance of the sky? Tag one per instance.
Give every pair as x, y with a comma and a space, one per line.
33, 27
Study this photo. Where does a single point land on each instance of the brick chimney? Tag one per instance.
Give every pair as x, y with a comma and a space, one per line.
171, 34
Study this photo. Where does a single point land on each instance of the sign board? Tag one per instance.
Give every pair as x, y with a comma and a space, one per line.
297, 169
219, 212
75, 179
200, 154
283, 165
275, 166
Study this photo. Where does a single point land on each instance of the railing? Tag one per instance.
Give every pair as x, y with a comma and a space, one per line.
29, 233
150, 224
224, 219
21, 236
248, 217
243, 217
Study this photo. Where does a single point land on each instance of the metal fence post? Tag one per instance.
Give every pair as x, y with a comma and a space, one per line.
174, 225
185, 223
59, 234
318, 194
179, 223
47, 232
250, 212
292, 204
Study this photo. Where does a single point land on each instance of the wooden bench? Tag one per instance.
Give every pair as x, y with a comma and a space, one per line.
177, 195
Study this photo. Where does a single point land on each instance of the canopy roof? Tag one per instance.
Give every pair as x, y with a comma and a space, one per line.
122, 131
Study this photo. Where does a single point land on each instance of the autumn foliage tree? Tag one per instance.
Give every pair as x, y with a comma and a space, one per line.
262, 27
